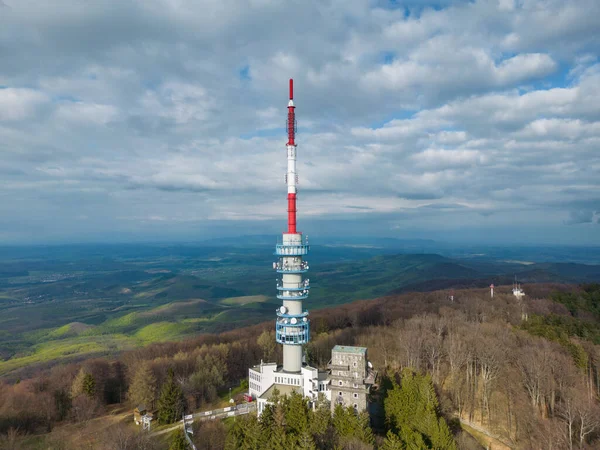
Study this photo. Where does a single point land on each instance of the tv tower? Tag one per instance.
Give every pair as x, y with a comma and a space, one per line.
292, 325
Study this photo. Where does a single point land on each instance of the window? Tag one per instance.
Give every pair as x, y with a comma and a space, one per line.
355, 385
355, 407
354, 364
341, 382
355, 395
340, 393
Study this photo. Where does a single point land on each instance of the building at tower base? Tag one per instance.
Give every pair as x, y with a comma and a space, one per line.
265, 378
347, 381
351, 377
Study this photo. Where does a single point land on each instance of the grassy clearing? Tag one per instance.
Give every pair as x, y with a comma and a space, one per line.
244, 300
123, 322
161, 331
174, 308
70, 329
206, 319
149, 293
66, 349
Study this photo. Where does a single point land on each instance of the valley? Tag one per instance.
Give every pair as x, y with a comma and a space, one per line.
66, 303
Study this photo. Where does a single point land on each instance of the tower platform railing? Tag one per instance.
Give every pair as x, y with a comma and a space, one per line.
293, 286
282, 267
289, 316
293, 295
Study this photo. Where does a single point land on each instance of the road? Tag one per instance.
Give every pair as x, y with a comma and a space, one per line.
213, 414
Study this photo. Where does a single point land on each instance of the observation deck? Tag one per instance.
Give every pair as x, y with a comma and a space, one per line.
287, 332
291, 249
289, 294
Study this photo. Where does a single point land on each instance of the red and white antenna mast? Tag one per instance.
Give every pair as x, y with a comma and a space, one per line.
492, 290
291, 156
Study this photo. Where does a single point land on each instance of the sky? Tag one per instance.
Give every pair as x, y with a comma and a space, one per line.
164, 120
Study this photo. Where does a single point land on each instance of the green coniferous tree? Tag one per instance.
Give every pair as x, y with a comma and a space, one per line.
350, 425
306, 442
89, 385
392, 442
171, 401
363, 429
267, 422
254, 438
245, 434
235, 435
278, 439
178, 442
319, 424
296, 414
342, 422
411, 409
267, 419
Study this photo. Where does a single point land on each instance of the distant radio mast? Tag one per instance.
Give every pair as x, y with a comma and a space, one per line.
492, 290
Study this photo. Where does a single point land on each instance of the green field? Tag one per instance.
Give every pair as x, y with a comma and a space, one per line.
244, 300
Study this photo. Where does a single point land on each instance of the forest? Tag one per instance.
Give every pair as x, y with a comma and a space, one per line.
514, 373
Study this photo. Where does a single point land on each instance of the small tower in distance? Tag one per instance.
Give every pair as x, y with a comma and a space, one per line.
492, 290
517, 291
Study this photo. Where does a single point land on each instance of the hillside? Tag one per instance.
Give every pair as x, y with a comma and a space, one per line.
495, 370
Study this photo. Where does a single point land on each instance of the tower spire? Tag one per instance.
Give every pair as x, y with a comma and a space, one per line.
291, 152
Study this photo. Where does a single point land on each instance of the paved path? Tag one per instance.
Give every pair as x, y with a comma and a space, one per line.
221, 413
498, 442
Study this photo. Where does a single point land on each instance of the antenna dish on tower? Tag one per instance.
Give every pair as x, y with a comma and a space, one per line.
294, 321
282, 309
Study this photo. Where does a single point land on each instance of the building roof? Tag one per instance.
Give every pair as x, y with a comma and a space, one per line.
348, 349
258, 367
284, 389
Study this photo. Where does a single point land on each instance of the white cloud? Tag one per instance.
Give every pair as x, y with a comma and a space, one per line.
74, 112
20, 103
435, 158
523, 67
